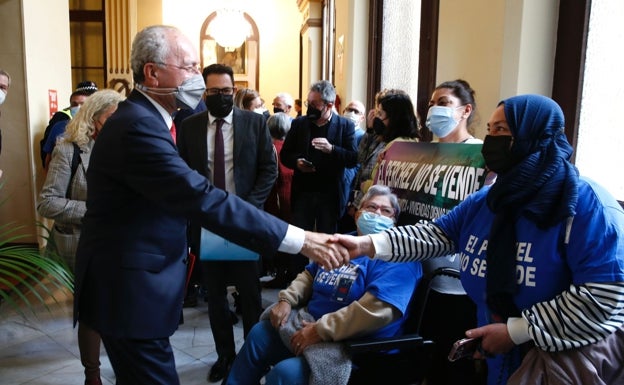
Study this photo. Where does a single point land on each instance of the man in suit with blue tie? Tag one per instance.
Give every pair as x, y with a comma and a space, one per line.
249, 171
132, 254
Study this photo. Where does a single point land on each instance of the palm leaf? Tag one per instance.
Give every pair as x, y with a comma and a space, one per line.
27, 276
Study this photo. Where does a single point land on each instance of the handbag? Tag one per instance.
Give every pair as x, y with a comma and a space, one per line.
215, 248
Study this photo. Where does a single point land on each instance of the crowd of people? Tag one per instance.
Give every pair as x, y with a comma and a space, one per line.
539, 248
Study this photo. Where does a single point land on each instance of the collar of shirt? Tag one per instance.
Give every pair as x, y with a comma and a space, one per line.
165, 115
228, 118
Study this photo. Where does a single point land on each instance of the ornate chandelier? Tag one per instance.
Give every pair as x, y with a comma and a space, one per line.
229, 28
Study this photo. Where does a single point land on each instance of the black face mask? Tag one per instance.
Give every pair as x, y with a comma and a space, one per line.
277, 109
496, 151
378, 126
219, 105
313, 113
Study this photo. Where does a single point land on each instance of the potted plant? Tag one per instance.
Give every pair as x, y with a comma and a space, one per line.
28, 276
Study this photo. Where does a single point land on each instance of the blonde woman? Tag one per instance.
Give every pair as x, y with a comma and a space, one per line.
63, 199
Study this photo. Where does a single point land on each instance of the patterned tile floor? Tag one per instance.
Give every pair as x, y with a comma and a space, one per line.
42, 348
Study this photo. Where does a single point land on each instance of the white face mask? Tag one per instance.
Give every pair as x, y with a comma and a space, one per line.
2, 97
259, 111
188, 94
352, 116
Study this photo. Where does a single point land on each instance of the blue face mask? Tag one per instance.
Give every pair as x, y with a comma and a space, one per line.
440, 120
371, 223
74, 110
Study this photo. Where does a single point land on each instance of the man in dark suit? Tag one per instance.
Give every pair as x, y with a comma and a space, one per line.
318, 147
250, 172
132, 254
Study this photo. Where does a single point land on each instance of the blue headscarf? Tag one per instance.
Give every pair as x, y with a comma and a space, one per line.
542, 186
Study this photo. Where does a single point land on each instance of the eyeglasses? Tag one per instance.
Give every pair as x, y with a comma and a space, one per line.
308, 104
383, 210
222, 91
194, 68
354, 110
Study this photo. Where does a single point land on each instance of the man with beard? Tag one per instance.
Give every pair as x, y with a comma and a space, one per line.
233, 149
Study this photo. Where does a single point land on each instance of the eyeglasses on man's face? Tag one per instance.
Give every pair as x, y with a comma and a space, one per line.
308, 103
386, 211
222, 91
191, 68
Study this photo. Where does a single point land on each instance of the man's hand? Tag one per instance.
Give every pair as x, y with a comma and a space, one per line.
279, 314
304, 337
495, 339
357, 246
324, 250
323, 145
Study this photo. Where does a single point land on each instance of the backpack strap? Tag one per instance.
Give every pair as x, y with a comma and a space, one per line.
74, 167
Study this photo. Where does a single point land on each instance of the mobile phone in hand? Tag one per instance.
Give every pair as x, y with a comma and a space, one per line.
465, 347
307, 163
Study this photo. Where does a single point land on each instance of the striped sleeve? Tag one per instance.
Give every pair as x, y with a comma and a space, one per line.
419, 242
581, 315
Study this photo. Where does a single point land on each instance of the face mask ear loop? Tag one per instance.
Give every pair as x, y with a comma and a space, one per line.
157, 91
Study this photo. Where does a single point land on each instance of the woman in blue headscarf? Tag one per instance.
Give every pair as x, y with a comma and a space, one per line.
542, 255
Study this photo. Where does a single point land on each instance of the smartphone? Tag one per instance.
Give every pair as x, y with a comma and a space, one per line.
307, 163
464, 348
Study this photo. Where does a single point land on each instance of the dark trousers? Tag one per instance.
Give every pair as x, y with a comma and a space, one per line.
314, 211
445, 323
217, 277
141, 362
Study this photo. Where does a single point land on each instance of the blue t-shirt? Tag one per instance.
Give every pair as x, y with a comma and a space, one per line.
595, 252
390, 282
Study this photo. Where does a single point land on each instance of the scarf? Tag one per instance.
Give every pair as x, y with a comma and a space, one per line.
542, 187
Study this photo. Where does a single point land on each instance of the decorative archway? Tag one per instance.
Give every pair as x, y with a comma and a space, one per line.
244, 59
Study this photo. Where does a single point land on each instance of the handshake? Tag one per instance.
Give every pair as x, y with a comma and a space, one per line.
333, 251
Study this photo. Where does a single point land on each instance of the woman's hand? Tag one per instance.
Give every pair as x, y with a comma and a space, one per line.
304, 337
279, 314
495, 339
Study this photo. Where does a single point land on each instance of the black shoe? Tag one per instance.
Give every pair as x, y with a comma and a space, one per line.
220, 369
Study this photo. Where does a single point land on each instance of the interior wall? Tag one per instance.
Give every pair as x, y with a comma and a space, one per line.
470, 47
30, 56
279, 23
351, 50
149, 12
502, 48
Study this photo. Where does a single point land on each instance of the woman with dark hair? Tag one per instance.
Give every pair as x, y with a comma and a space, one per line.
452, 108
392, 119
395, 117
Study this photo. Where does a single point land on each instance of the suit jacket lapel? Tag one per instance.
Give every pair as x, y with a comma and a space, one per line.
201, 137
238, 119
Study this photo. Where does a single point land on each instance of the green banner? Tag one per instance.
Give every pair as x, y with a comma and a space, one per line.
430, 178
